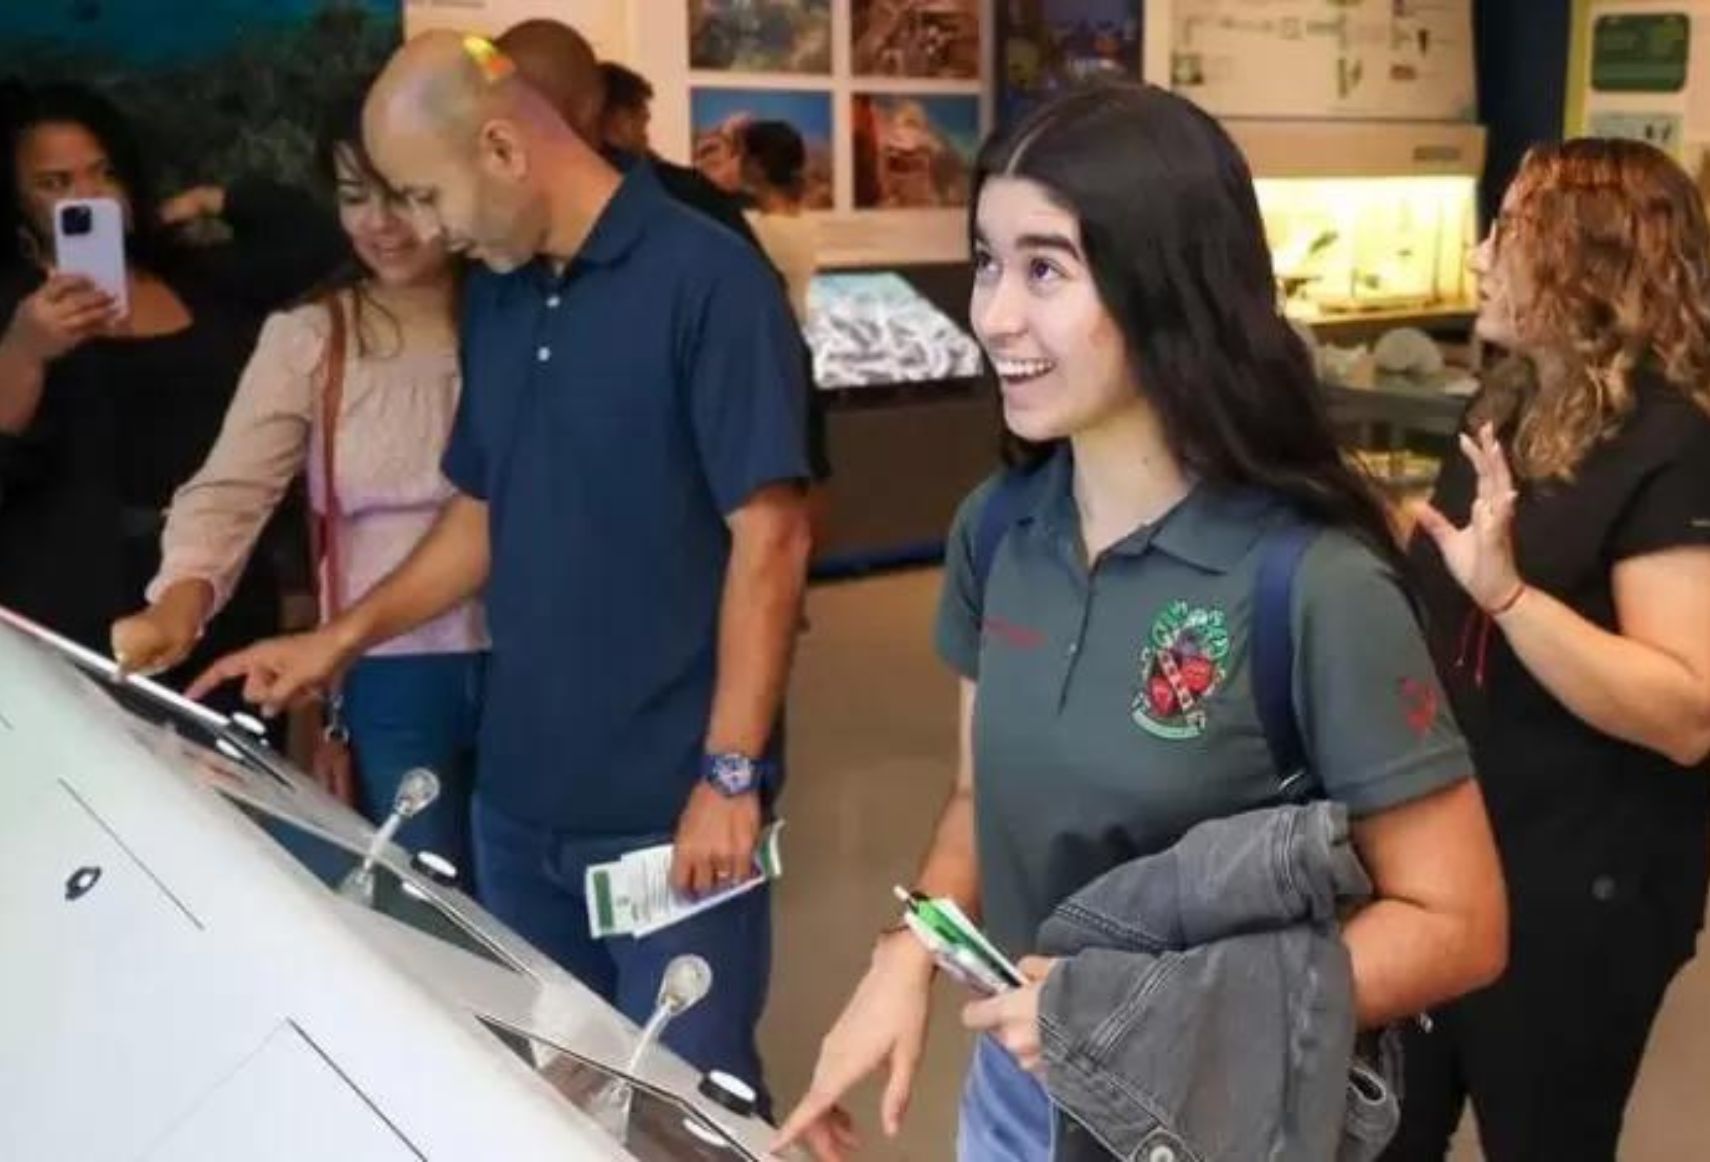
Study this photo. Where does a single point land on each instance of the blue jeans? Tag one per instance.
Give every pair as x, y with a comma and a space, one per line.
531, 878
1006, 1115
418, 710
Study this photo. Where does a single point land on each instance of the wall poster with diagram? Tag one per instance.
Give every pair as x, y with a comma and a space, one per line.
1368, 60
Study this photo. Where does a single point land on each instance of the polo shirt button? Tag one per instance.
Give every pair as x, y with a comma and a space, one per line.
544, 354
552, 301
1161, 1154
1603, 889
1074, 648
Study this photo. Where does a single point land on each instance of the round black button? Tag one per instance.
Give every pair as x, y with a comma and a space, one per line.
732, 1093
81, 882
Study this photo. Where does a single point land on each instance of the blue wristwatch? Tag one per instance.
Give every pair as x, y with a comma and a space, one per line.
733, 774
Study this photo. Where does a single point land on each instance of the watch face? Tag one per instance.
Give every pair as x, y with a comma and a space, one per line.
732, 774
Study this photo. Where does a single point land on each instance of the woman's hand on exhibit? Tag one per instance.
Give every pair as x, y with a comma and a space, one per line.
884, 1023
281, 672
161, 636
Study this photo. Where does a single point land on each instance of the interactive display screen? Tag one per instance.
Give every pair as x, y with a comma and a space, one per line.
659, 1128
872, 328
233, 760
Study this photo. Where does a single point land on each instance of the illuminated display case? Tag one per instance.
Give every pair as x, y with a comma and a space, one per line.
1344, 245
875, 329
1368, 222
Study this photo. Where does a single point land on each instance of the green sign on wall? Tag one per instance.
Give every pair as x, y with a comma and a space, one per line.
1640, 53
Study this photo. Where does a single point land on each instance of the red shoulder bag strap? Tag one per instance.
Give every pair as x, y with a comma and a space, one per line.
332, 515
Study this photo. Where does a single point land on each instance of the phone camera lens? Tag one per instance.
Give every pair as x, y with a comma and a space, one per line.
76, 221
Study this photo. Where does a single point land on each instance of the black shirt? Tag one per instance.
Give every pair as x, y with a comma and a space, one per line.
1579, 814
697, 191
123, 422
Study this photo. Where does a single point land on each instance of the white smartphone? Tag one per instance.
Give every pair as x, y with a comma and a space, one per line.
89, 239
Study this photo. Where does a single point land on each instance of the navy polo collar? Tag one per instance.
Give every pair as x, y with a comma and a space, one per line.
1212, 528
621, 223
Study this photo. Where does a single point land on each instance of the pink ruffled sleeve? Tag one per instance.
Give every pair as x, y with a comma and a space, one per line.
215, 518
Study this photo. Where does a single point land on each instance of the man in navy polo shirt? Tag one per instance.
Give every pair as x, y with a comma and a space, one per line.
560, 63
629, 459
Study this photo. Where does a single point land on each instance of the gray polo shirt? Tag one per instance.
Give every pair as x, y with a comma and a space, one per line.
1115, 708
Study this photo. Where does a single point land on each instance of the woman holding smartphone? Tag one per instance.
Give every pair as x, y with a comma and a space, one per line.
102, 415
1123, 294
366, 373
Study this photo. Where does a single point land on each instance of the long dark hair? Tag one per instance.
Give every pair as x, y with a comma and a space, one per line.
1170, 225
28, 108
340, 134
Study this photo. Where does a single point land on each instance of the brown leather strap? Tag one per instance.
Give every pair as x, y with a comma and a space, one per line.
332, 515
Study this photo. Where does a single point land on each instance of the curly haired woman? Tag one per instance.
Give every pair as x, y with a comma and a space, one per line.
1566, 570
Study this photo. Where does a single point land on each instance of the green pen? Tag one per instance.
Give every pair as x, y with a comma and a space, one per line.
947, 929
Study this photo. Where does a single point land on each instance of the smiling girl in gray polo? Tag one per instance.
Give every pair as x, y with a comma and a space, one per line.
1124, 295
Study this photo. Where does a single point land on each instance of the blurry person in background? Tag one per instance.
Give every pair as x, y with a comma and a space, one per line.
1565, 571
774, 163
628, 109
367, 374
103, 416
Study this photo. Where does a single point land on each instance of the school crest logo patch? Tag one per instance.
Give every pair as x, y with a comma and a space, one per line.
1181, 667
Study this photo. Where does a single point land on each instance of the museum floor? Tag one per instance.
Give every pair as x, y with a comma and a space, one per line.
871, 752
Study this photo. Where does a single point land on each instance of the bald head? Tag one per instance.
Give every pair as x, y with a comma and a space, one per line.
445, 85
471, 146
560, 63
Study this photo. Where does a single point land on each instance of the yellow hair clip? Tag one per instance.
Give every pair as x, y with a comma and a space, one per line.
494, 65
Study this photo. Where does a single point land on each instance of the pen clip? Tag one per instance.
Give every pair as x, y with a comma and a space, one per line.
912, 901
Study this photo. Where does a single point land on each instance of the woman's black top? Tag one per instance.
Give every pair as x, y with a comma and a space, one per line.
124, 422
1581, 816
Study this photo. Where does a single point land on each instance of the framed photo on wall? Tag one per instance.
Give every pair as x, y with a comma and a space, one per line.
718, 115
917, 39
913, 151
890, 98
1046, 46
759, 36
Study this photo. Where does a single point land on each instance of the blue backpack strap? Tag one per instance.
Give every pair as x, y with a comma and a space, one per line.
1273, 649
1002, 508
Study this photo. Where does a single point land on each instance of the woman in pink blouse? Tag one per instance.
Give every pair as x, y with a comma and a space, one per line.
414, 701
